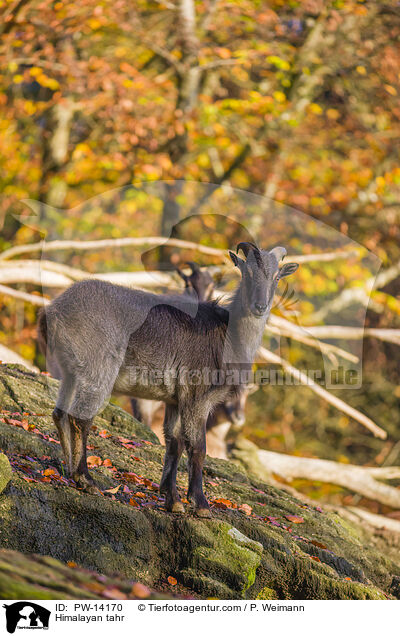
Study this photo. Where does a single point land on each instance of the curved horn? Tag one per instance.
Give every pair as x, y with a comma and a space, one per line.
193, 266
182, 275
246, 247
279, 253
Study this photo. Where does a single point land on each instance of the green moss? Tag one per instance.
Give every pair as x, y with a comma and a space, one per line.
5, 472
267, 594
232, 557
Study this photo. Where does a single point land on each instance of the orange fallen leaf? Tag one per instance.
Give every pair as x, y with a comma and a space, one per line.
114, 593
93, 461
347, 578
294, 519
72, 564
140, 494
318, 544
140, 591
246, 509
172, 580
104, 434
113, 490
107, 463
222, 503
49, 471
134, 503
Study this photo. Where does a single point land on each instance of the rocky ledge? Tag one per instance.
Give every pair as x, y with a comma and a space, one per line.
260, 543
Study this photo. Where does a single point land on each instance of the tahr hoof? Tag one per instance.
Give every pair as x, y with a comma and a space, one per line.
204, 513
87, 485
178, 507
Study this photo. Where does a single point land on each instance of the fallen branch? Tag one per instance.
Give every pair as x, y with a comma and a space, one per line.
11, 357
359, 479
380, 522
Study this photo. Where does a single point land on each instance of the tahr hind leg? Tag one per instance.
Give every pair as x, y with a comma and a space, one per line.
194, 432
79, 470
173, 452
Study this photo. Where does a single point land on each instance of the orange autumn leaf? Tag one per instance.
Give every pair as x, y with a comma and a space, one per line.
72, 564
294, 519
93, 461
113, 490
104, 434
172, 580
107, 463
318, 544
223, 504
246, 509
140, 494
114, 593
140, 591
134, 503
49, 471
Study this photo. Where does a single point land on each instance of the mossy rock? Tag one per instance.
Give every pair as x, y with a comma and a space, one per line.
130, 536
5, 472
26, 576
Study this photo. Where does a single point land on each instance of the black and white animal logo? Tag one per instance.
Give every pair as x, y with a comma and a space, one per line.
26, 615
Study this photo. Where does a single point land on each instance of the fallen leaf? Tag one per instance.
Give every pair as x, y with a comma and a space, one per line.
72, 564
113, 490
172, 580
104, 434
140, 494
49, 471
222, 503
107, 463
114, 593
134, 503
246, 509
140, 591
318, 544
93, 461
294, 519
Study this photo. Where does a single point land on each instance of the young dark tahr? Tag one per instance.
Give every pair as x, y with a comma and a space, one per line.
98, 335
198, 284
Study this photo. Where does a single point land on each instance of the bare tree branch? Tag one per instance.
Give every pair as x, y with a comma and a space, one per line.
263, 355
355, 333
53, 246
30, 298
12, 357
359, 295
359, 479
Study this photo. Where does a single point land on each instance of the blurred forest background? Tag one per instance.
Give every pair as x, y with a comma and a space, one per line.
297, 101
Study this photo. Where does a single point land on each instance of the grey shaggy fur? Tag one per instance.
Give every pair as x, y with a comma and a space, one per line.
98, 334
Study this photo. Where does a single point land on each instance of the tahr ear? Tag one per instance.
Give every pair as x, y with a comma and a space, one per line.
287, 269
234, 258
237, 261
182, 275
